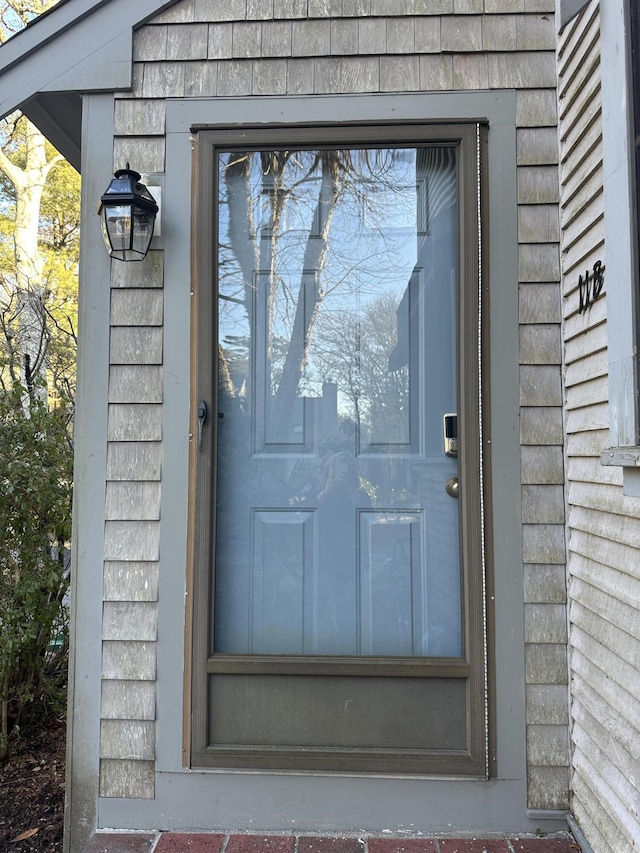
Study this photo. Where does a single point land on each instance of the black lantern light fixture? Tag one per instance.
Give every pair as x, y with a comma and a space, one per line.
128, 212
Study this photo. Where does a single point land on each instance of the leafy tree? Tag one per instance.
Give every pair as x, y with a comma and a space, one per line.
278, 222
15, 14
35, 505
354, 350
39, 231
39, 228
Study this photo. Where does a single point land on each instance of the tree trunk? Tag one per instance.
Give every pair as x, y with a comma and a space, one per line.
310, 293
32, 335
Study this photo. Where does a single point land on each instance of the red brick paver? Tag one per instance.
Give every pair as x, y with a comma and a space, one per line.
473, 845
189, 842
545, 845
209, 842
121, 842
333, 844
401, 845
261, 844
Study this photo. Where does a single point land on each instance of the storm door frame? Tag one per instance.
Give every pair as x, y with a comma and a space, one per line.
477, 761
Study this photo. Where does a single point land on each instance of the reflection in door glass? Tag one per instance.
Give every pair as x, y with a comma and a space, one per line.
337, 305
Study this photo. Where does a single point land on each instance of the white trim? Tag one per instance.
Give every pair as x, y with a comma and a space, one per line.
620, 248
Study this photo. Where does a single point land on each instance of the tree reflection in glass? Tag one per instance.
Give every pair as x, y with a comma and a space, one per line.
337, 290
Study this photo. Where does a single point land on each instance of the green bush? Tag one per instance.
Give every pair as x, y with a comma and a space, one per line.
35, 522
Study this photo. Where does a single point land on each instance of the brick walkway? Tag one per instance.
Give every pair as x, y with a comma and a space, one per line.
185, 842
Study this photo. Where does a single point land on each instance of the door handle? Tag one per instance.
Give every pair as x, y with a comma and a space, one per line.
202, 417
452, 487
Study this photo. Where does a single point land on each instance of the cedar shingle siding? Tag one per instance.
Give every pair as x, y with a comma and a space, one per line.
303, 47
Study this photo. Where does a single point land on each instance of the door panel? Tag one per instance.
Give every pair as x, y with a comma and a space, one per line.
331, 713
341, 615
279, 610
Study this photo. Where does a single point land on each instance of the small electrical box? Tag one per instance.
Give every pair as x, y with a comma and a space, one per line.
450, 431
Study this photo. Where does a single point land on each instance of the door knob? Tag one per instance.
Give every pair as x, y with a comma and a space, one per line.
451, 487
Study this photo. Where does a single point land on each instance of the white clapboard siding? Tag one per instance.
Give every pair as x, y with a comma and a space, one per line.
585, 804
577, 327
594, 417
603, 524
606, 498
587, 444
617, 825
617, 730
614, 580
593, 365
584, 394
588, 469
592, 611
603, 538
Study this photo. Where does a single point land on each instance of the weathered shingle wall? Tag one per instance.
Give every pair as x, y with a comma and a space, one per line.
132, 531
603, 524
240, 48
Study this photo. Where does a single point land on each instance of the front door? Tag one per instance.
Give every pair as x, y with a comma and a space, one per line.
339, 616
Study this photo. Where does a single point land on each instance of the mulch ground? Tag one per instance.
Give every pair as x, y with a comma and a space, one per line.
32, 792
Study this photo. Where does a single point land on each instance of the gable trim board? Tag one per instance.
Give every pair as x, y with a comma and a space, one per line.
77, 46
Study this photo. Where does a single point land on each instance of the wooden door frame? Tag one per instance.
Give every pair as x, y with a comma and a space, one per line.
470, 137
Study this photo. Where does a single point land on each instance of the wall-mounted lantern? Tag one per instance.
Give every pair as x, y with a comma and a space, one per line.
128, 212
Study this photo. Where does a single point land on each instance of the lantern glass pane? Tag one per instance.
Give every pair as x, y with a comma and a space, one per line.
117, 221
142, 230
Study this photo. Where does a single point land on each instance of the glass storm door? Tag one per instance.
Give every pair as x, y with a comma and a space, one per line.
339, 632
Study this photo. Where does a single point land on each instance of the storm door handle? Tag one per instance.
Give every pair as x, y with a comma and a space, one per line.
202, 417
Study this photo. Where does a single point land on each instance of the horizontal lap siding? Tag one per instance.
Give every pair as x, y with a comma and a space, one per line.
603, 524
209, 48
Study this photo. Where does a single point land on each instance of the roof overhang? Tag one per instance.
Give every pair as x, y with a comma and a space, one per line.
77, 47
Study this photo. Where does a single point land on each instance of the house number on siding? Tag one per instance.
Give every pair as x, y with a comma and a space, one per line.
590, 287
